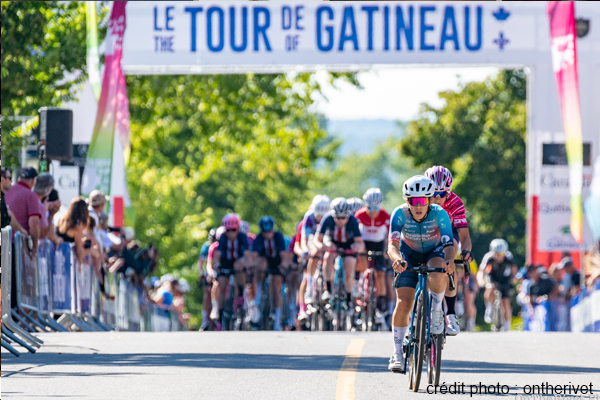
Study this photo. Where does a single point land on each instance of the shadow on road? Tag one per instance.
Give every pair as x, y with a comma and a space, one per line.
273, 361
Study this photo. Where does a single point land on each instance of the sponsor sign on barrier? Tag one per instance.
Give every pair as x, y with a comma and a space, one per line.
585, 310
43, 261
60, 278
26, 271
83, 284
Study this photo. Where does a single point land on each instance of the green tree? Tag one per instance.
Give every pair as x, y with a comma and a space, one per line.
385, 168
479, 134
43, 56
203, 146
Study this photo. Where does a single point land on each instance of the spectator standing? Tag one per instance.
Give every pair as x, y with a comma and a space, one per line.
96, 202
72, 225
25, 205
542, 285
42, 188
569, 285
7, 216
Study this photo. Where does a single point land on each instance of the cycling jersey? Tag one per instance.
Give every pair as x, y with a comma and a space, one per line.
233, 249
251, 237
373, 230
211, 251
204, 250
269, 248
498, 272
344, 234
298, 236
422, 237
456, 211
309, 224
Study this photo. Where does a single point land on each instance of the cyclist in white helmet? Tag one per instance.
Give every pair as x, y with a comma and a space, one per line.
342, 231
497, 271
449, 201
355, 204
374, 224
420, 232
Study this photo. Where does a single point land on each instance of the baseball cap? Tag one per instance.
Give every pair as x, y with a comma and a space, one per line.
97, 198
28, 173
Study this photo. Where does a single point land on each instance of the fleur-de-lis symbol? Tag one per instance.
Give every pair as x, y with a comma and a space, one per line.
501, 41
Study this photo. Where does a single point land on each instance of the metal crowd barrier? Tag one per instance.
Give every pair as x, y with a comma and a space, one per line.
585, 310
55, 284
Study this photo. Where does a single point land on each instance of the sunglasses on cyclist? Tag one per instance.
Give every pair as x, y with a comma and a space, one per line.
414, 201
232, 230
340, 217
440, 194
373, 208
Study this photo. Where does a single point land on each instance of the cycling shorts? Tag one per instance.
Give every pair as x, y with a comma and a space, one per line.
226, 268
273, 266
378, 261
504, 288
414, 258
346, 246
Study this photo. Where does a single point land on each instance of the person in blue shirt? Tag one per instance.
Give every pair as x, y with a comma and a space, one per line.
341, 229
420, 232
270, 247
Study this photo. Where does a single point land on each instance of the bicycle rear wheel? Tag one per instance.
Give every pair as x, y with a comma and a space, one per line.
419, 344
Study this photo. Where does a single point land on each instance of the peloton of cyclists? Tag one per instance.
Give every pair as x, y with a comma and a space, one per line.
420, 232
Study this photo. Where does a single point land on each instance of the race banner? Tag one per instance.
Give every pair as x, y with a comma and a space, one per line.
43, 264
93, 59
564, 63
26, 269
109, 149
60, 277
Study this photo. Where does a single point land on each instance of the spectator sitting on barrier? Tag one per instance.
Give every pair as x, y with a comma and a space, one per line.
569, 285
543, 287
43, 187
72, 225
7, 216
25, 205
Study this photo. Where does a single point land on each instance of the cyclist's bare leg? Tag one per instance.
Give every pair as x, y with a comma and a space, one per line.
349, 266
404, 304
221, 289
277, 282
240, 277
328, 270
437, 281
380, 283
259, 277
507, 310
488, 295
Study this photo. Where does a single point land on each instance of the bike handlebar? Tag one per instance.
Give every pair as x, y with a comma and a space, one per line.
423, 269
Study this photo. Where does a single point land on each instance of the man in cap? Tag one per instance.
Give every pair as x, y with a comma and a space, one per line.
7, 216
42, 188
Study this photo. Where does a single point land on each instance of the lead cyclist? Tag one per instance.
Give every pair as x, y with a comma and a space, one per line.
420, 232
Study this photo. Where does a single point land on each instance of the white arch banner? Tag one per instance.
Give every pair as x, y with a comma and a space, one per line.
239, 37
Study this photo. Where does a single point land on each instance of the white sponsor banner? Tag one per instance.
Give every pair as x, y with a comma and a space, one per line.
192, 37
66, 182
554, 211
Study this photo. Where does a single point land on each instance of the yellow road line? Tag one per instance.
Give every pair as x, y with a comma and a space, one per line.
347, 376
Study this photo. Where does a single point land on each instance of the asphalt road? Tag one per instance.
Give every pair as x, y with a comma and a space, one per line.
289, 365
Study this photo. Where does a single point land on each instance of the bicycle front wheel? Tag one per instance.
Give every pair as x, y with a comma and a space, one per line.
419, 344
434, 359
